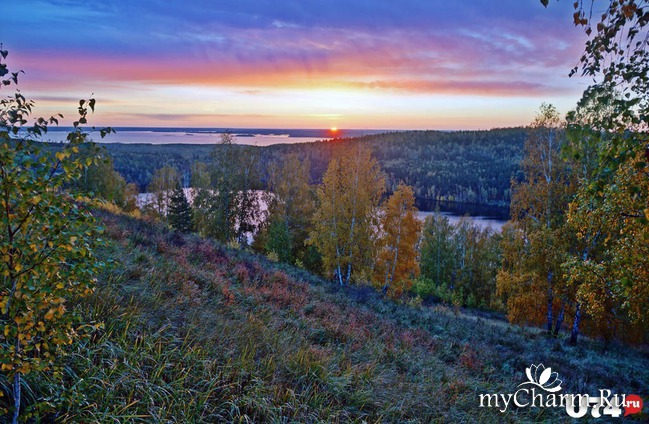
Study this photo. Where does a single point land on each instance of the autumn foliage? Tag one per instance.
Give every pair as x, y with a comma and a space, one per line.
397, 262
47, 241
344, 224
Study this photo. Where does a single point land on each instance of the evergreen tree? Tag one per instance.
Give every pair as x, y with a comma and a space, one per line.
180, 213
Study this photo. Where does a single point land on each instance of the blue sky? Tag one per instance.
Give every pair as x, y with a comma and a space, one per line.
311, 64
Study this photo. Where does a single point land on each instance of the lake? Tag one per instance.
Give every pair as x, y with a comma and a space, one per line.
481, 221
484, 216
248, 136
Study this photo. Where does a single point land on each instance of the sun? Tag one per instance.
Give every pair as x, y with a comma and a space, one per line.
333, 129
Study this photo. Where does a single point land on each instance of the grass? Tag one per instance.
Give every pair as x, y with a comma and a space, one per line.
196, 332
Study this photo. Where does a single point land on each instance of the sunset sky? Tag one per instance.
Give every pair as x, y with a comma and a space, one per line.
406, 64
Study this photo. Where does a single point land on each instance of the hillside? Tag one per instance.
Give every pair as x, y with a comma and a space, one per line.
195, 332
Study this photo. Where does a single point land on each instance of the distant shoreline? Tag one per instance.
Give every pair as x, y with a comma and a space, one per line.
200, 136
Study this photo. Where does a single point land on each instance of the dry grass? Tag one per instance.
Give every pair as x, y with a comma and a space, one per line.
196, 332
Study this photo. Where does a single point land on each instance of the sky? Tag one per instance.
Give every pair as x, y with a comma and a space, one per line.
375, 64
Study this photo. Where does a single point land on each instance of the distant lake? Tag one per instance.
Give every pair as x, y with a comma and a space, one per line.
484, 216
249, 136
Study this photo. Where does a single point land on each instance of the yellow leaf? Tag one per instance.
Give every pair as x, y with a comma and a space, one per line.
60, 156
18, 267
49, 315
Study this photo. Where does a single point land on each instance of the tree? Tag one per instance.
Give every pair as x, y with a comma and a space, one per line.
290, 208
608, 216
279, 240
164, 181
477, 259
537, 244
437, 251
47, 239
247, 200
344, 224
131, 193
228, 209
609, 212
101, 180
180, 213
397, 261
201, 189
459, 262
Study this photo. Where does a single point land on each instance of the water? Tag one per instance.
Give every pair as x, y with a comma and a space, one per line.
249, 136
493, 217
481, 221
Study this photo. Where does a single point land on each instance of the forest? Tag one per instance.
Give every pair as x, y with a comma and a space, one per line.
461, 166
296, 283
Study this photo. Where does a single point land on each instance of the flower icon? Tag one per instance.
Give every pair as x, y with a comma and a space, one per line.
543, 377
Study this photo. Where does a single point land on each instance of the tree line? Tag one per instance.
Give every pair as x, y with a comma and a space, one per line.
460, 166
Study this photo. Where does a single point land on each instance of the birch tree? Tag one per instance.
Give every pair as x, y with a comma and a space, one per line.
226, 205
400, 228
47, 240
344, 224
538, 205
163, 183
610, 212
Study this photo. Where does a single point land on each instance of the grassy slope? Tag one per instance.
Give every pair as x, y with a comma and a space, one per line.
196, 332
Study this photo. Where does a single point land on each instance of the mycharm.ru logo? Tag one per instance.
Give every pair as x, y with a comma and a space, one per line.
542, 391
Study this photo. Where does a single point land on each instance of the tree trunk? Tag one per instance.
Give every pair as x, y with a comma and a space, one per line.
559, 323
17, 378
550, 319
339, 275
575, 325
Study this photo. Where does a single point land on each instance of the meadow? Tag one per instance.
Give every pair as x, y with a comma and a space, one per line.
197, 332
